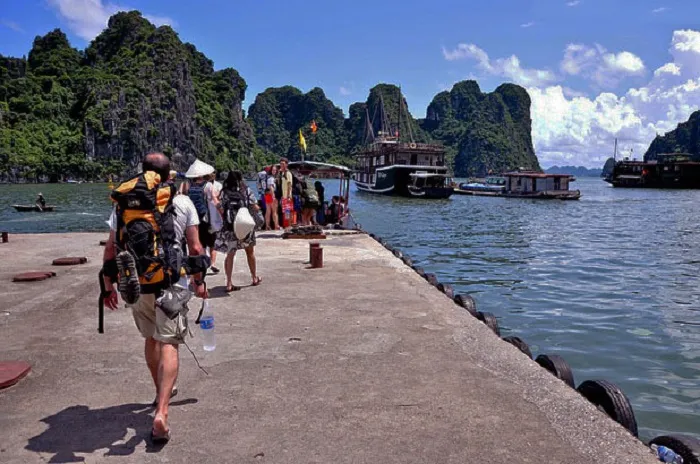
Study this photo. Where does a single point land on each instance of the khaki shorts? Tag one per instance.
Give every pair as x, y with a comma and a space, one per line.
152, 322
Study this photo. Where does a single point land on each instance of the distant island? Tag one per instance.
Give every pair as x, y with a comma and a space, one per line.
93, 113
578, 171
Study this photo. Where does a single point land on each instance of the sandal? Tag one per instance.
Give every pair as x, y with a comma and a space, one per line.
232, 288
173, 393
257, 281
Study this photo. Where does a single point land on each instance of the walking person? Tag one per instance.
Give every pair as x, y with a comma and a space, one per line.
235, 196
283, 192
197, 179
178, 224
271, 203
212, 190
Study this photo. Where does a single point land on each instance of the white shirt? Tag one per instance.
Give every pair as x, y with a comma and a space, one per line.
186, 216
212, 190
270, 183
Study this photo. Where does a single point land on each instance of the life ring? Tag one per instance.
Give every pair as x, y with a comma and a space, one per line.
412, 145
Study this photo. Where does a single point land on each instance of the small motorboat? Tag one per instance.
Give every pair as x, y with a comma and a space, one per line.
491, 186
33, 208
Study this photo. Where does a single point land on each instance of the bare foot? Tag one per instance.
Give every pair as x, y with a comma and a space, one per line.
160, 431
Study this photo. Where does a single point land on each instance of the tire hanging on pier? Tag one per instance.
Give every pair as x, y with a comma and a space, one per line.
519, 344
446, 289
558, 367
490, 320
685, 446
468, 303
419, 271
407, 261
398, 254
432, 279
608, 397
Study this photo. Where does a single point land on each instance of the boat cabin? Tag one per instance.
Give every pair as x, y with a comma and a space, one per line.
540, 185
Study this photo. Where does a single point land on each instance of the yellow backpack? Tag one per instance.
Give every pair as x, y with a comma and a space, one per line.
146, 229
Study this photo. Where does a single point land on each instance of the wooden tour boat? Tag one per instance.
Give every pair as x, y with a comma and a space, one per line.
388, 165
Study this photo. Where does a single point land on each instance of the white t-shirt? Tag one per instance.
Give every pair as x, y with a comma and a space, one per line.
186, 216
212, 190
270, 183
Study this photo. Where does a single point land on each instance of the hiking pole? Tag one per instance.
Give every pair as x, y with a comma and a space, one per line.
101, 305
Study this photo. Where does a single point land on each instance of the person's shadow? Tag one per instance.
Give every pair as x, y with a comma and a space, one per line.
79, 429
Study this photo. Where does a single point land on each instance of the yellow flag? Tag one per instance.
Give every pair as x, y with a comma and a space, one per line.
302, 141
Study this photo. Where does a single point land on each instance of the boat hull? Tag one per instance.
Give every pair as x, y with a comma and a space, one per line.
33, 208
396, 181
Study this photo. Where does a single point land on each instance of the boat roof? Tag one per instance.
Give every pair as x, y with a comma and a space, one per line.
533, 174
315, 166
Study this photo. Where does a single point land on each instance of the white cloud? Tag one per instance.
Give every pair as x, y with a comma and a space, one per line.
526, 25
575, 129
11, 25
506, 67
345, 91
87, 18
573, 3
659, 10
605, 69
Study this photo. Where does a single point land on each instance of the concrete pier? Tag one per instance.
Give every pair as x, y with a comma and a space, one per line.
360, 361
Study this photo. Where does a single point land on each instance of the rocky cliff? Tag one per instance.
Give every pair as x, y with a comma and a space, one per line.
483, 132
278, 114
135, 89
684, 139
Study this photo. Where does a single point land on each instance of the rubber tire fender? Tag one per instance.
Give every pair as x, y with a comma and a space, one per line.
685, 446
490, 320
407, 261
447, 290
612, 400
558, 367
432, 279
519, 344
398, 253
419, 270
468, 303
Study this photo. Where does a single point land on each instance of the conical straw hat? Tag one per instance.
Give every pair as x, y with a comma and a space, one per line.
199, 169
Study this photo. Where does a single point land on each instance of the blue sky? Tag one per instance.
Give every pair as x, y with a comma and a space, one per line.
579, 60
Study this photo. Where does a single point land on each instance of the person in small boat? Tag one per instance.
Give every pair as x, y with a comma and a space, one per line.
40, 201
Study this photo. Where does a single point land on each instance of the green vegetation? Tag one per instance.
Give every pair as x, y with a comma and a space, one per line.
135, 89
483, 132
138, 88
684, 139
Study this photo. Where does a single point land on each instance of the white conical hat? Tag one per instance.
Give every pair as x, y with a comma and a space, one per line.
199, 169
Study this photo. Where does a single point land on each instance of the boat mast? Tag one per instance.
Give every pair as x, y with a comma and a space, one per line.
398, 124
615, 152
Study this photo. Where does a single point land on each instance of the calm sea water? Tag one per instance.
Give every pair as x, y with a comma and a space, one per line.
608, 282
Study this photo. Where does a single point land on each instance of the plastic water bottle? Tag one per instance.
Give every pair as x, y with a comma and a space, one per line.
666, 455
206, 324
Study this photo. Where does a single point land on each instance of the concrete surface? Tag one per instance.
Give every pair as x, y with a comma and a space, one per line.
359, 362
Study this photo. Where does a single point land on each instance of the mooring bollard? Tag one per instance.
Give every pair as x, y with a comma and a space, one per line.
5, 237
316, 255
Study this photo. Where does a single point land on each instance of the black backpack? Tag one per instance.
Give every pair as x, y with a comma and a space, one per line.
199, 199
232, 200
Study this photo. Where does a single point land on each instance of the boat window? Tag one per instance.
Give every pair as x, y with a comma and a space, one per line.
381, 160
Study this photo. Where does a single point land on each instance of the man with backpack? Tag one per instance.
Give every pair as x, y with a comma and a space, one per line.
153, 280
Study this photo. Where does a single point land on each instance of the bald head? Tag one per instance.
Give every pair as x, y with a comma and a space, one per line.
157, 162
